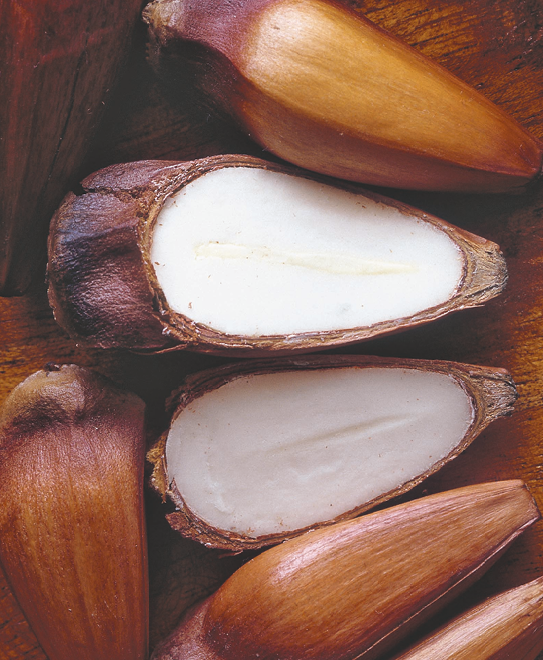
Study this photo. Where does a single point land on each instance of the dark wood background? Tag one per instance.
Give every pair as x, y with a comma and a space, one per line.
495, 45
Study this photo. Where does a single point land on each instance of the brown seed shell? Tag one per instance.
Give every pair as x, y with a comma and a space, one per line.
506, 626
322, 87
104, 291
491, 390
354, 589
59, 62
72, 530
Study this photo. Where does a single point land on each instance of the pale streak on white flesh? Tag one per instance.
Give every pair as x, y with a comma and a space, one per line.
322, 261
252, 252
282, 451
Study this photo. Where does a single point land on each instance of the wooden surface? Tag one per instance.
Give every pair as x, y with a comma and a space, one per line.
496, 46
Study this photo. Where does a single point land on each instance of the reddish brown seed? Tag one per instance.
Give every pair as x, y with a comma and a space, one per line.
509, 625
60, 59
72, 532
320, 86
354, 589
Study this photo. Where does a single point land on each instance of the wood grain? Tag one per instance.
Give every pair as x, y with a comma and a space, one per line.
496, 46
